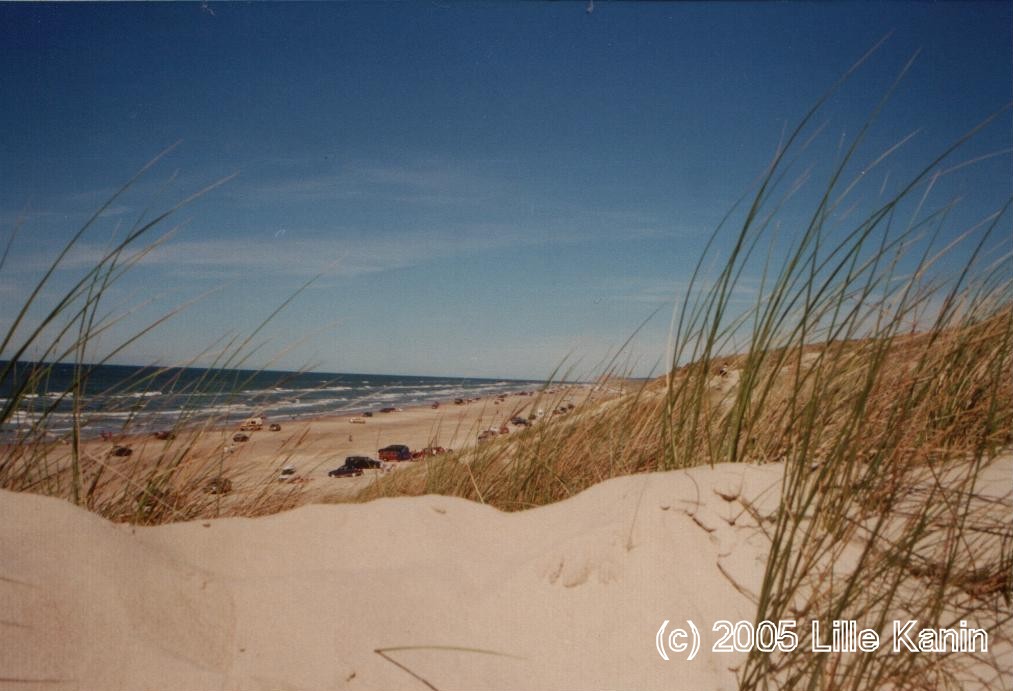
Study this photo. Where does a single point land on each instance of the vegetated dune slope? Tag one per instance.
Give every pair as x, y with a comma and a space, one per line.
570, 595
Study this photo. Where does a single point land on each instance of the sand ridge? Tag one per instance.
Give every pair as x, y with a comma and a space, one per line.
564, 596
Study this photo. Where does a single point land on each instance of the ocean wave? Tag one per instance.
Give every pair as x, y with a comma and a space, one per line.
137, 394
160, 408
48, 394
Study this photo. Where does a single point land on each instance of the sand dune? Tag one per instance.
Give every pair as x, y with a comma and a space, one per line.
569, 595
454, 594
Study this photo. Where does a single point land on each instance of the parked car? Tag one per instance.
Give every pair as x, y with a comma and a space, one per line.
389, 409
252, 424
426, 452
121, 451
287, 474
520, 421
368, 413
165, 435
345, 471
361, 462
275, 427
239, 436
395, 452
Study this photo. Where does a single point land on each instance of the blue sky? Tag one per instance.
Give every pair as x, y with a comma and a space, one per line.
488, 188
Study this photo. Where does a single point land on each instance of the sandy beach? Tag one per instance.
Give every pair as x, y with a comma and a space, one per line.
596, 590
506, 346
317, 445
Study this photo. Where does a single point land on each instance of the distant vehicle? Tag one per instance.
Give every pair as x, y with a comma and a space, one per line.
287, 474
275, 427
436, 404
458, 401
361, 462
252, 424
357, 421
520, 421
164, 435
395, 452
345, 471
368, 413
389, 409
487, 434
239, 436
121, 451
429, 451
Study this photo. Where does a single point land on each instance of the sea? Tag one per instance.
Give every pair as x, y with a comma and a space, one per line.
119, 399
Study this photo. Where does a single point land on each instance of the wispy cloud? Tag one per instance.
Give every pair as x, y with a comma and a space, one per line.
303, 254
434, 183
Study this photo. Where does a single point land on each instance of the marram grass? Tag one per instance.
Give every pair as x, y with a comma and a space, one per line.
881, 382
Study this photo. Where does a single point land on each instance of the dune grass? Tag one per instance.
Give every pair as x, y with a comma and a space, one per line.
166, 479
882, 382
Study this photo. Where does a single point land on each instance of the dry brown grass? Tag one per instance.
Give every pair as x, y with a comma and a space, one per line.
191, 476
881, 382
962, 404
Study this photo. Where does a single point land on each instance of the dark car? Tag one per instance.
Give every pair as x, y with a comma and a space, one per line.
367, 414
361, 462
239, 436
345, 471
395, 452
520, 421
389, 409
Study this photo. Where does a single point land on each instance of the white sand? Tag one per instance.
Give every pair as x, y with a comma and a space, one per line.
570, 595
574, 592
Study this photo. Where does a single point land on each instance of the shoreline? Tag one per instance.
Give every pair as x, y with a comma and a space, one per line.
315, 445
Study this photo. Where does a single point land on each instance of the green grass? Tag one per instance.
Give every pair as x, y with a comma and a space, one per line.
880, 381
883, 384
167, 480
